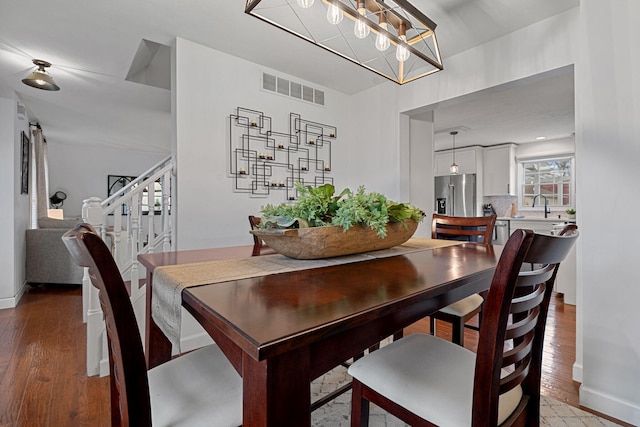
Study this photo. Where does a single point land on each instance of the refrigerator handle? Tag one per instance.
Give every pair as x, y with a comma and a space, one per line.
450, 199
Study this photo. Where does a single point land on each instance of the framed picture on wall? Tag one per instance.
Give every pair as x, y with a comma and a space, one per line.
24, 162
115, 184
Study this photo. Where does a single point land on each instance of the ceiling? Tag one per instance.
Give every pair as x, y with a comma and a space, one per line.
95, 46
523, 111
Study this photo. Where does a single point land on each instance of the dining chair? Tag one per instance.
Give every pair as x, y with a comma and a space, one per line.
472, 229
570, 228
254, 222
426, 381
200, 388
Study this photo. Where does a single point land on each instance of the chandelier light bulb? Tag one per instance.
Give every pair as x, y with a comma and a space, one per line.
382, 41
361, 29
402, 53
334, 14
305, 3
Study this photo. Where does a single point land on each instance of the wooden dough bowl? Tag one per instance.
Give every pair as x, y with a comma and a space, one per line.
332, 241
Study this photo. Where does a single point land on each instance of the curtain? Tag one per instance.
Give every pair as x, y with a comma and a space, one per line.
40, 197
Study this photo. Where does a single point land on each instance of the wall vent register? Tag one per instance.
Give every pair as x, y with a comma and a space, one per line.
286, 87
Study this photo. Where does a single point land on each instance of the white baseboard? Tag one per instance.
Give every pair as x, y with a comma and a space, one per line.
577, 372
623, 410
13, 301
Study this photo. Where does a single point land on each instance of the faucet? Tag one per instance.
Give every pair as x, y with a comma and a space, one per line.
546, 209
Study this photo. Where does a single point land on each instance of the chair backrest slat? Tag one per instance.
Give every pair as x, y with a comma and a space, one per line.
475, 229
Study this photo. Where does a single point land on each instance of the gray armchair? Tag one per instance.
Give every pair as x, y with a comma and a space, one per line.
48, 260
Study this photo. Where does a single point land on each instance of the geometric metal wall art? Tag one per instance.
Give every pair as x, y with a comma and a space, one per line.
263, 161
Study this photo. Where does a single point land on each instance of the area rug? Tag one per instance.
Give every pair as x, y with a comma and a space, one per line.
336, 413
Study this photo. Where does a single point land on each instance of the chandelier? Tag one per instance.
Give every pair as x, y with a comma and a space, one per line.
391, 38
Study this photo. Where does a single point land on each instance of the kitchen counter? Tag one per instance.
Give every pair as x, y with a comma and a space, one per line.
536, 218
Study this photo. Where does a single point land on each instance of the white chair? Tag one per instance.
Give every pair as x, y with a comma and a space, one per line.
200, 388
426, 381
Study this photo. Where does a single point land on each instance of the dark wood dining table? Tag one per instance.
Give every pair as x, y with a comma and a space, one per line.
281, 331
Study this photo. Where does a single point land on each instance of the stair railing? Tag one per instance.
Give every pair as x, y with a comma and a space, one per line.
135, 220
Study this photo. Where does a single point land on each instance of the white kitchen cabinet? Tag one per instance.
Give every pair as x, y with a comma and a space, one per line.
467, 159
566, 278
499, 170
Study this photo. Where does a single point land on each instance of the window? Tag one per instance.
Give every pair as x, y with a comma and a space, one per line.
551, 178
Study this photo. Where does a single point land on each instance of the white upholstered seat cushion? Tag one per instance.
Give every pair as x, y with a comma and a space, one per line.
430, 377
200, 388
464, 306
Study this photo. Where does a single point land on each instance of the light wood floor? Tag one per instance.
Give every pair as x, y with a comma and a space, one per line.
42, 361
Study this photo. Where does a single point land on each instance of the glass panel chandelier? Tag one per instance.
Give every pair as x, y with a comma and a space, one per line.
391, 38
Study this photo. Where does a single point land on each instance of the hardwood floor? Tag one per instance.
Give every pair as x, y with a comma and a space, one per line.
42, 361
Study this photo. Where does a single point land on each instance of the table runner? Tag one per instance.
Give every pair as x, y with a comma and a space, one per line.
170, 280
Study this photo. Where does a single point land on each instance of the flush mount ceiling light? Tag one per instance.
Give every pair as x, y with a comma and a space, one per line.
391, 23
39, 78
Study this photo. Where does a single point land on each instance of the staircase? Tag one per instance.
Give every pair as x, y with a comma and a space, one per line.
134, 221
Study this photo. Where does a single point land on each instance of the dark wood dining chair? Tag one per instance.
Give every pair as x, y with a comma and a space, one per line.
426, 381
199, 388
471, 229
254, 222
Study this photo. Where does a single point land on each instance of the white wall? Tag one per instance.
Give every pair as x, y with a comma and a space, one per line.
608, 152
14, 210
81, 172
421, 188
541, 47
210, 213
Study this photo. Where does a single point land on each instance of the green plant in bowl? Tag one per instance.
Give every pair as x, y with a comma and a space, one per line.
571, 211
320, 206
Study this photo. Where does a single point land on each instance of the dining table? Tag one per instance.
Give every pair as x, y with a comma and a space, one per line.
284, 329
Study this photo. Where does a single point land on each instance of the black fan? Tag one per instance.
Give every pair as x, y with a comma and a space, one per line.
57, 200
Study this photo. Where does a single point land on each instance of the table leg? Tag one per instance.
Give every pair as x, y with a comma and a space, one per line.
276, 391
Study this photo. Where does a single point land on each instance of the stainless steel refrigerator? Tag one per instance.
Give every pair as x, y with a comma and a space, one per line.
456, 195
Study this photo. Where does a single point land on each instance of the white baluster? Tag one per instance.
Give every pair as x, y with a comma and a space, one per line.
134, 234
152, 215
166, 224
92, 312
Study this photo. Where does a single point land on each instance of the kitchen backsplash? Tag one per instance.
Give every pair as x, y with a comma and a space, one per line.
502, 206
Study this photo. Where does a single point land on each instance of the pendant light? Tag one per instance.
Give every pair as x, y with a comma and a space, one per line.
39, 78
396, 23
454, 167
